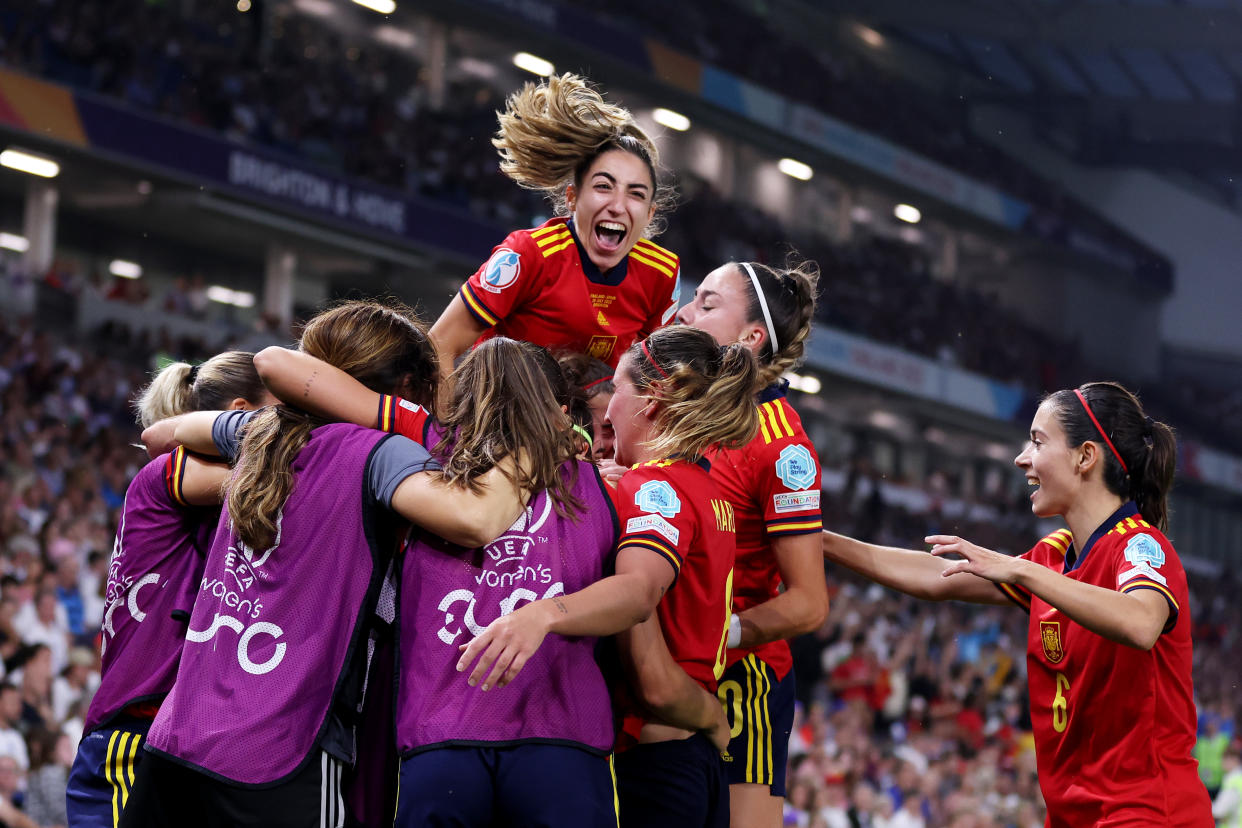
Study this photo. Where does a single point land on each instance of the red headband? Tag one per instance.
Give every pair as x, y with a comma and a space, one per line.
591, 385
654, 364
1098, 428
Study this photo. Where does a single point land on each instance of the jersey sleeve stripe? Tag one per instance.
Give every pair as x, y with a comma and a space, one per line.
477, 309
1057, 541
796, 527
779, 407
652, 263
1018, 596
553, 239
1174, 609
176, 475
558, 248
655, 251
656, 546
543, 231
763, 426
387, 412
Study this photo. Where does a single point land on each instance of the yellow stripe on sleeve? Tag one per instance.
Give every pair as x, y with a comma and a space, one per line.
763, 426
654, 250
652, 263
558, 248
1144, 583
486, 315
780, 409
646, 543
553, 239
791, 527
551, 228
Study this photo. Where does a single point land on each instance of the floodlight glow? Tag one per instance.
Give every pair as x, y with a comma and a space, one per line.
381, 6
228, 296
869, 36
795, 169
671, 119
531, 63
805, 384
400, 38
243, 6
908, 213
319, 8
12, 241
26, 162
125, 269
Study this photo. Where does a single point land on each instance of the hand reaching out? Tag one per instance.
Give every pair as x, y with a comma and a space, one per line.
998, 568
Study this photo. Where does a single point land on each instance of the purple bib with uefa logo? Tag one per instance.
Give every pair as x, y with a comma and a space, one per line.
278, 634
449, 595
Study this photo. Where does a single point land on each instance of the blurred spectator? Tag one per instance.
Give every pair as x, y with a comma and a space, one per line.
45, 622
51, 757
12, 743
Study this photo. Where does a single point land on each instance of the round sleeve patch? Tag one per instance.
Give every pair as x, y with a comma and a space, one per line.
502, 270
796, 467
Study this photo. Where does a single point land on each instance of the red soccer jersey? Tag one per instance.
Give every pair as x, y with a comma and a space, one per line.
538, 286
1114, 725
400, 416
773, 483
675, 508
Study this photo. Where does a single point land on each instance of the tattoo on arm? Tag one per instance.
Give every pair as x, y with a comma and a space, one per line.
306, 388
560, 605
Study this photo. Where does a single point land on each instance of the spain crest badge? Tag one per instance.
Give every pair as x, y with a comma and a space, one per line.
1050, 635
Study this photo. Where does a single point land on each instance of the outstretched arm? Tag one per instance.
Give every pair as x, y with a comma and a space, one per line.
606, 607
909, 571
313, 385
665, 689
457, 514
453, 333
803, 605
1135, 619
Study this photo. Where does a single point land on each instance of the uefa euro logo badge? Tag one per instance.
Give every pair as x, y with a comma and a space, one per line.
1050, 635
502, 270
796, 468
657, 496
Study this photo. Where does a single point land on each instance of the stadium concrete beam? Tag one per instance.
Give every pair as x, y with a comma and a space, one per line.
1069, 23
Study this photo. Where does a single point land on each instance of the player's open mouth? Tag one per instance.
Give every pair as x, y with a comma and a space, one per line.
1033, 481
609, 234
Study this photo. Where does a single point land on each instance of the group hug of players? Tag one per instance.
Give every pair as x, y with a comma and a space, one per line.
372, 576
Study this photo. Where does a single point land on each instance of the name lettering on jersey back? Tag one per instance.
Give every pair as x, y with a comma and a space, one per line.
724, 515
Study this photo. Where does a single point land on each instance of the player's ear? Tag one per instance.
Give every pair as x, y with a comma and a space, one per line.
238, 404
1088, 457
571, 197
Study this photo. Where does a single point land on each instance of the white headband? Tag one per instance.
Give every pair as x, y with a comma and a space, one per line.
763, 304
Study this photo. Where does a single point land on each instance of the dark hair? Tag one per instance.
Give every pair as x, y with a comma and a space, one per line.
593, 376
706, 391
566, 392
790, 296
1148, 447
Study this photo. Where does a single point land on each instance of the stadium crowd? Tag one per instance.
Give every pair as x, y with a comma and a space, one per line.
911, 713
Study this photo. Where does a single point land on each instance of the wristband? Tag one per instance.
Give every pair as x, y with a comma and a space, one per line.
735, 632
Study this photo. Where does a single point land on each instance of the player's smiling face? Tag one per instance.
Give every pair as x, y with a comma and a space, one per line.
612, 206
628, 414
719, 307
1050, 465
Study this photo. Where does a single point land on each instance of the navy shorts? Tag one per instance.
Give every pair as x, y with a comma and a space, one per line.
677, 784
760, 710
171, 795
103, 773
517, 786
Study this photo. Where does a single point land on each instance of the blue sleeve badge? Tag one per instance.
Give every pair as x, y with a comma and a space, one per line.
502, 270
796, 468
1143, 550
658, 496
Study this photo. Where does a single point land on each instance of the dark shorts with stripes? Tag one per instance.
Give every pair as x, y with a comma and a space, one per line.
171, 795
760, 710
104, 772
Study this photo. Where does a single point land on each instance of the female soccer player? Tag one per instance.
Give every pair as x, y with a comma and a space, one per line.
594, 378
1108, 645
678, 394
260, 721
169, 516
773, 484
588, 280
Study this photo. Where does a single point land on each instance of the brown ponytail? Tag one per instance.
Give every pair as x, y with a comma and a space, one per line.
385, 347
706, 392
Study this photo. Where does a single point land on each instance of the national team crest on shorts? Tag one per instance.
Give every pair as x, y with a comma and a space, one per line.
658, 496
1050, 635
502, 270
796, 467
